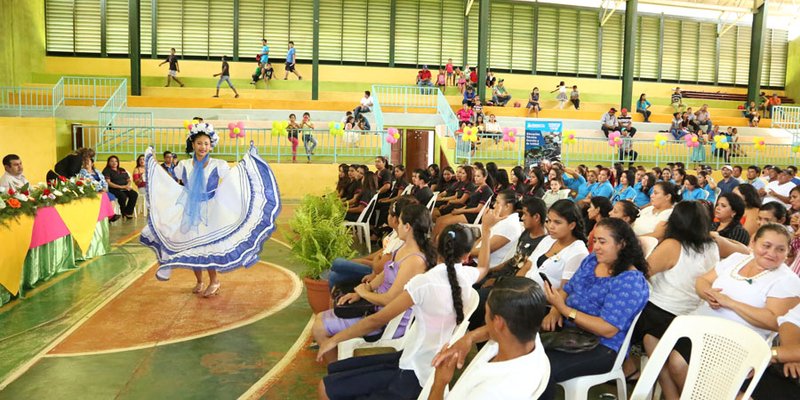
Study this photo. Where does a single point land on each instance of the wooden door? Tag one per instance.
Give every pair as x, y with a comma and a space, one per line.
416, 150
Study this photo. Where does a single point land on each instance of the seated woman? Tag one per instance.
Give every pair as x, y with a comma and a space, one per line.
368, 188
365, 269
352, 192
626, 211
752, 203
421, 191
88, 171
599, 208
686, 253
692, 189
664, 196
462, 191
535, 184
513, 364
413, 258
602, 188
602, 298
644, 189
438, 297
397, 187
728, 212
119, 184
474, 204
751, 289
517, 181
505, 231
586, 187
706, 182
556, 192
624, 190
560, 253
779, 381
343, 181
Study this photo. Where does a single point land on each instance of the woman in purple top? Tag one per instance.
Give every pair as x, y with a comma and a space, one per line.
413, 258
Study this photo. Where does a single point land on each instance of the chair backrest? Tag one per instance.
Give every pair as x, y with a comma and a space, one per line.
717, 192
393, 325
367, 211
708, 194
432, 201
407, 190
626, 344
483, 210
723, 354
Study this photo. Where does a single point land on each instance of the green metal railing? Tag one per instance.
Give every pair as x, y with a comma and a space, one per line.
413, 97
597, 151
127, 142
111, 92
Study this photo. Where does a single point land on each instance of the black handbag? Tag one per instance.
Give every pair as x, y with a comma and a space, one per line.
358, 309
569, 340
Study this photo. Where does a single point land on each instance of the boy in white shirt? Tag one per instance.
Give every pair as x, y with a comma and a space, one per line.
513, 364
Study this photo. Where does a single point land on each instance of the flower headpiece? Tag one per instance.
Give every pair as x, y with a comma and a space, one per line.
203, 128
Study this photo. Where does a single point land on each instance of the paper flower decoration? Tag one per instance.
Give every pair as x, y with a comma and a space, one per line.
335, 128
691, 141
569, 137
392, 135
660, 141
614, 139
470, 135
236, 129
759, 143
510, 135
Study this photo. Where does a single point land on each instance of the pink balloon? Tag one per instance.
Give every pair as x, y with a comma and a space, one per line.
513, 139
231, 125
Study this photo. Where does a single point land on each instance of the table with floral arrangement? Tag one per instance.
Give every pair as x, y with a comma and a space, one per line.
45, 228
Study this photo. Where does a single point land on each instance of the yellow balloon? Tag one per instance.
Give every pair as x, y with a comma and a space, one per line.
236, 130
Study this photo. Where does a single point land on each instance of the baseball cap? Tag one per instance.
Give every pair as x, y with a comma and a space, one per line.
424, 67
727, 166
501, 80
612, 109
624, 110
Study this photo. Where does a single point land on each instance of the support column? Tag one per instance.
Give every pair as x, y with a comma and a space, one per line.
756, 52
483, 48
315, 55
629, 53
392, 27
134, 47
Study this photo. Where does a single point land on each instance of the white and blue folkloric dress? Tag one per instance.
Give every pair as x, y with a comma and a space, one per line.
220, 217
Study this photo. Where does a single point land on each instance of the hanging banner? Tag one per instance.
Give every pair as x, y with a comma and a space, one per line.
542, 141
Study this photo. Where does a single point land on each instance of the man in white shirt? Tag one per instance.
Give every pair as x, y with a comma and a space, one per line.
513, 364
365, 106
778, 190
609, 121
737, 173
703, 118
13, 177
753, 177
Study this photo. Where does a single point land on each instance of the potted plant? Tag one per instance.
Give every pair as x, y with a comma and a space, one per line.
318, 237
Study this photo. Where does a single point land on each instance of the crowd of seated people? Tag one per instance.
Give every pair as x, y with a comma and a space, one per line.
675, 242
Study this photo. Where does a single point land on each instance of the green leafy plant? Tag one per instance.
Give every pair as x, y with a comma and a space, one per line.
318, 233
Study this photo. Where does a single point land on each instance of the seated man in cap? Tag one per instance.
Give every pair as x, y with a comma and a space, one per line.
625, 123
424, 77
609, 121
778, 190
500, 95
728, 182
13, 178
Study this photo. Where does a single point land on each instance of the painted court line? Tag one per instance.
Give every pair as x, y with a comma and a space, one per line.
25, 367
296, 291
260, 387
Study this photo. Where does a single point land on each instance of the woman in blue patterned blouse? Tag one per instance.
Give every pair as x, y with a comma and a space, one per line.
603, 298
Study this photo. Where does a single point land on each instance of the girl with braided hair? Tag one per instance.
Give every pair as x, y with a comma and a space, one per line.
438, 298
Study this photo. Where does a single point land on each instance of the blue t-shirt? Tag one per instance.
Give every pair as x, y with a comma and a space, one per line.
712, 195
584, 190
696, 194
290, 56
265, 54
615, 299
573, 183
642, 198
642, 105
727, 187
602, 190
628, 193
469, 95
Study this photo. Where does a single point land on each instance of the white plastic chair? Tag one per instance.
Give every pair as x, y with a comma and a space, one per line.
432, 202
387, 339
477, 223
578, 388
717, 192
458, 333
723, 354
362, 223
407, 190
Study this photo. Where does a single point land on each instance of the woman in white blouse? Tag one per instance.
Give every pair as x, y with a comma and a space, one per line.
751, 289
506, 230
560, 253
664, 196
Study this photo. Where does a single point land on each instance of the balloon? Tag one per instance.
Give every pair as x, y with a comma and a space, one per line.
391, 139
236, 130
331, 125
231, 125
396, 136
337, 126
